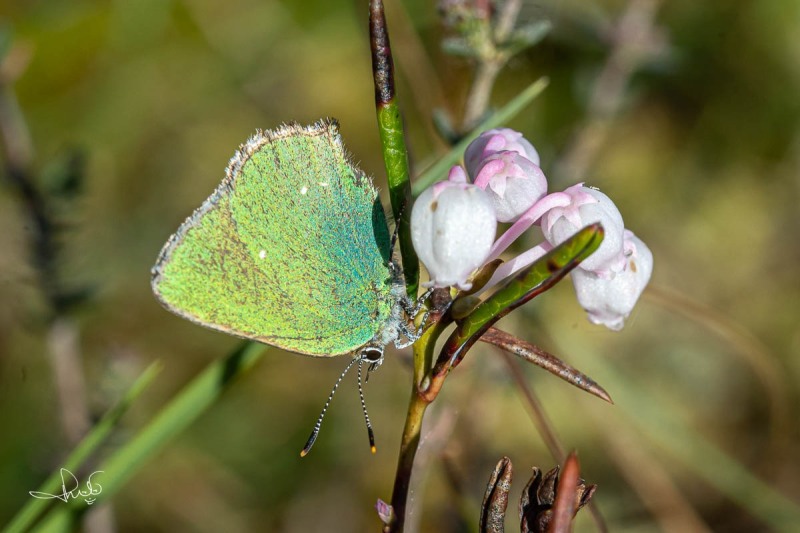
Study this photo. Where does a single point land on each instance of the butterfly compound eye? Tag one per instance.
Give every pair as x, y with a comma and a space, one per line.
372, 355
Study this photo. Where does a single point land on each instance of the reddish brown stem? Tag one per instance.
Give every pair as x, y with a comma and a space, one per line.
566, 496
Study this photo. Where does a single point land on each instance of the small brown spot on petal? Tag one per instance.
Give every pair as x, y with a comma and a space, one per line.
633, 266
434, 205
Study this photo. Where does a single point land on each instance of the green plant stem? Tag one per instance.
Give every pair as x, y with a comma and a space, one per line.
481, 90
405, 462
424, 362
393, 143
423, 358
492, 61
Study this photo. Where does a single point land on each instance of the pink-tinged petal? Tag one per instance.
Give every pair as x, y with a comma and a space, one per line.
489, 170
511, 267
493, 141
457, 177
437, 188
629, 245
580, 194
513, 182
528, 219
384, 511
457, 174
588, 206
498, 187
578, 197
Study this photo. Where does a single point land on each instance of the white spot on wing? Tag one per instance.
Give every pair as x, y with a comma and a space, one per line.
323, 183
262, 254
304, 190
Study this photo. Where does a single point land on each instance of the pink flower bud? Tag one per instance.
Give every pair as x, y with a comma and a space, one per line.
610, 301
453, 227
384, 511
588, 206
513, 182
493, 141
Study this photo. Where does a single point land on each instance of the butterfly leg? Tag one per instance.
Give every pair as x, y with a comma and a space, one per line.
411, 309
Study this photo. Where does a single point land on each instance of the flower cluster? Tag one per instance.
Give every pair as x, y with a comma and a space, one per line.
454, 224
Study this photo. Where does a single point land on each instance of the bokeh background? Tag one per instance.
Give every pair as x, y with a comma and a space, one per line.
134, 109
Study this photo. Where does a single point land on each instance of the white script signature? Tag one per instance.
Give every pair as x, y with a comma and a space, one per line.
70, 488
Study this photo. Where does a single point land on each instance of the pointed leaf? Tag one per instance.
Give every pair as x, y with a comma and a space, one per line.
524, 286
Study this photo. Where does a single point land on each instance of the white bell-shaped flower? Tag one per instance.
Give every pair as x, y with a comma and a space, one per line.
588, 206
493, 141
514, 183
453, 227
609, 301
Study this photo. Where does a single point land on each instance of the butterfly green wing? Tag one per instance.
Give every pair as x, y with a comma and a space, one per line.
292, 249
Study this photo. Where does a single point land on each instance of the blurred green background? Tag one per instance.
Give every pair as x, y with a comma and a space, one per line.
702, 157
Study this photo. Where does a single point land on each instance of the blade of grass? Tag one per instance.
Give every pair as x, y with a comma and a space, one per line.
438, 171
176, 416
98, 434
666, 430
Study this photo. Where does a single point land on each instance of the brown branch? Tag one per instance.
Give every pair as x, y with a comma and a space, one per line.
533, 354
566, 496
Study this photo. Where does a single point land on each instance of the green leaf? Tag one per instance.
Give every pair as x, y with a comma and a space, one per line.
457, 46
524, 286
526, 37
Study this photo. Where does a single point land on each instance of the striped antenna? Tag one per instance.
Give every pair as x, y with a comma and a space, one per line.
315, 432
372, 447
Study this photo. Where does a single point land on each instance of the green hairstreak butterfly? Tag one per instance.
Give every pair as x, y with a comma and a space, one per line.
293, 250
